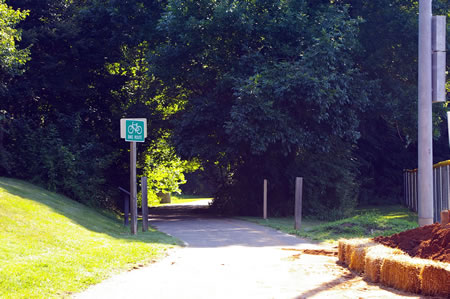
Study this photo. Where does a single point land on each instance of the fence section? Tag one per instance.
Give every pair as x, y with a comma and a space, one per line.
441, 189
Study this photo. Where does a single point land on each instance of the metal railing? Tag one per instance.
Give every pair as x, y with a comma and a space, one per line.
441, 189
126, 206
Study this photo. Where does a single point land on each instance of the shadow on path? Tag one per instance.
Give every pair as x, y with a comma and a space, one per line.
198, 227
180, 212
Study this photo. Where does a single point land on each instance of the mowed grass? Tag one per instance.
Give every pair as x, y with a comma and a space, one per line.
51, 246
183, 198
367, 222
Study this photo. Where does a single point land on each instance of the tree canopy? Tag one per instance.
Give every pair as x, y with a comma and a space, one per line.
11, 58
242, 90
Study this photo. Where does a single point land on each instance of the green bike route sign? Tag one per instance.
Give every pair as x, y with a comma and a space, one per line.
133, 129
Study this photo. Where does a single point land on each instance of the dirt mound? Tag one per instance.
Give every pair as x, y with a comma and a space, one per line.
331, 252
428, 242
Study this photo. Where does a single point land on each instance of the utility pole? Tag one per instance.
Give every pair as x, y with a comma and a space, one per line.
425, 129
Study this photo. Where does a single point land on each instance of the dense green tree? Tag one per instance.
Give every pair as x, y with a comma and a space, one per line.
64, 111
388, 54
266, 83
251, 89
11, 58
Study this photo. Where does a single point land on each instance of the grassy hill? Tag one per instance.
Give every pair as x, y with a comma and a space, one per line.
51, 246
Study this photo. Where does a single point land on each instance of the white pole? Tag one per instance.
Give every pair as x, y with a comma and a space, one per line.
425, 138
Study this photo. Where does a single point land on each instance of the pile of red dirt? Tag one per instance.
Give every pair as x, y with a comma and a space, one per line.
428, 242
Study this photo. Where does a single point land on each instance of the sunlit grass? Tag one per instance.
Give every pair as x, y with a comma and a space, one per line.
51, 246
367, 222
182, 198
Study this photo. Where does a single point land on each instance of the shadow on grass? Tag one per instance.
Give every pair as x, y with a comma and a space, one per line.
94, 220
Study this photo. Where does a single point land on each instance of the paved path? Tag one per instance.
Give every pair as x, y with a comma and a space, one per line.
227, 258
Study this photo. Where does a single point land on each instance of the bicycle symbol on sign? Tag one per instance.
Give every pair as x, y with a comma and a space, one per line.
134, 128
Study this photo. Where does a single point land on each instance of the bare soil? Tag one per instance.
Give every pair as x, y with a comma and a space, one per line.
428, 242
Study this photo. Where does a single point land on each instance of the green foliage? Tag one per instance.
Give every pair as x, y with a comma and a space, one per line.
251, 90
62, 115
11, 58
52, 246
388, 55
267, 83
164, 169
74, 166
331, 184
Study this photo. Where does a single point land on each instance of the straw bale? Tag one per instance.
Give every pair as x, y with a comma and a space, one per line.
358, 257
348, 247
341, 251
402, 272
435, 279
372, 266
374, 256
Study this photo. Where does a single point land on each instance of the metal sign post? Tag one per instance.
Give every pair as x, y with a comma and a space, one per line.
133, 189
133, 130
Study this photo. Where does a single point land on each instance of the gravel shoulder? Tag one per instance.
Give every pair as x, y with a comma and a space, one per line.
228, 258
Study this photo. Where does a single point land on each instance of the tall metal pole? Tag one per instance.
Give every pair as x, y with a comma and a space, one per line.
425, 154
133, 188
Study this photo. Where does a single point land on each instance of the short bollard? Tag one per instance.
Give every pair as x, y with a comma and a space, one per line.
445, 217
265, 200
298, 202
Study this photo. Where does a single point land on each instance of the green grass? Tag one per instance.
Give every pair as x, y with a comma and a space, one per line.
182, 198
51, 246
367, 222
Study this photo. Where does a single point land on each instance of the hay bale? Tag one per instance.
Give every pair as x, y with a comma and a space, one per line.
373, 260
341, 251
402, 272
372, 263
347, 247
358, 257
372, 266
435, 279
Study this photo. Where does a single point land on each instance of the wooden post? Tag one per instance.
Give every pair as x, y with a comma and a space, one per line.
144, 204
126, 208
265, 200
445, 217
298, 202
133, 191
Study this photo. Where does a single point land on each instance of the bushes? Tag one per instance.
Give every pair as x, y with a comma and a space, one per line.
330, 184
59, 157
